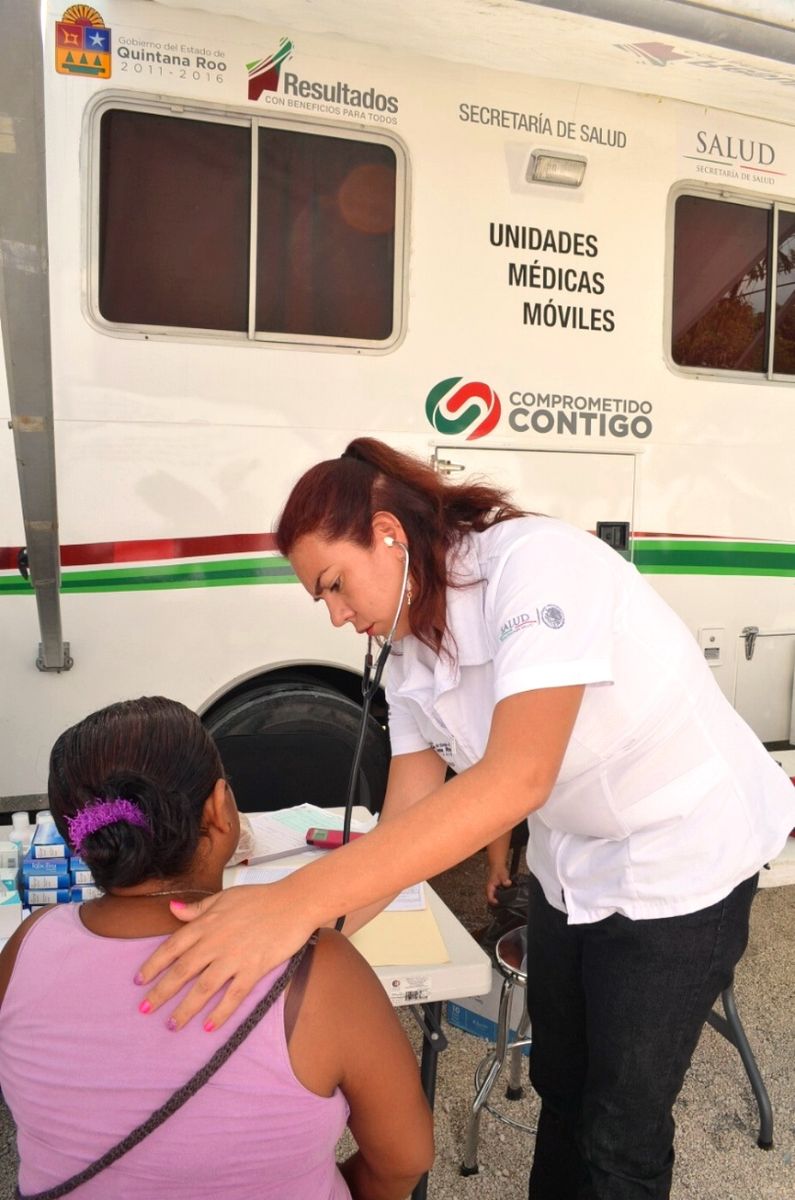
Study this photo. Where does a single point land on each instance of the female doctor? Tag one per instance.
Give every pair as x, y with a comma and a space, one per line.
541, 666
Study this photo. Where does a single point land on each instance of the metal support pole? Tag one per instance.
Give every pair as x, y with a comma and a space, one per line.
429, 1019
25, 311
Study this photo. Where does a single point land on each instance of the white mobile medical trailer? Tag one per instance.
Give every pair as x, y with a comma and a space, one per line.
554, 248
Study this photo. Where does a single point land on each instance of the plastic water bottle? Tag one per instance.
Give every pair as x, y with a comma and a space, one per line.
21, 833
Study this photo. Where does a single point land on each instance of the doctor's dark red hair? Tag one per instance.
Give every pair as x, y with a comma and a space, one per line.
337, 499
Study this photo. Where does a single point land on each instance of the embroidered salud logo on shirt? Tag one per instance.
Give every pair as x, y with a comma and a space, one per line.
553, 616
517, 624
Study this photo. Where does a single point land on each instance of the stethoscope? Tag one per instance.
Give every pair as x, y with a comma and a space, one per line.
371, 680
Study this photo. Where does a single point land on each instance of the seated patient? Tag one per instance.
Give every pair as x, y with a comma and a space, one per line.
138, 789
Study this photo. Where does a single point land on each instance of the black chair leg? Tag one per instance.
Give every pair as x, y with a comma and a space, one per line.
732, 1029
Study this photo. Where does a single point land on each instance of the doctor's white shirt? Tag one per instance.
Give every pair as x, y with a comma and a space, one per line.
665, 800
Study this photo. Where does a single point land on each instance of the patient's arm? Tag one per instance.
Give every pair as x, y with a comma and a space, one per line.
348, 1035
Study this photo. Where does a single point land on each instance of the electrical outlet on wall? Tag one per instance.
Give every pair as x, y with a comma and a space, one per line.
711, 643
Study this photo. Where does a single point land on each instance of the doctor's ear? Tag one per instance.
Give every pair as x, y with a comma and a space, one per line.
388, 529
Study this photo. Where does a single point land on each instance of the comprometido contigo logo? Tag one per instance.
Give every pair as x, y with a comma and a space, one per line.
263, 75
449, 410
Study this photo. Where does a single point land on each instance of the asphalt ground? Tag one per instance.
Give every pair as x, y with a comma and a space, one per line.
717, 1121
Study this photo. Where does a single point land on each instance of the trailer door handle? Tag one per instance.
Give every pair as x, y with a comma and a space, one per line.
750, 634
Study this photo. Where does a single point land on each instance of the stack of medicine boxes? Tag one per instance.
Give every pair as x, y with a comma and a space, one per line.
50, 873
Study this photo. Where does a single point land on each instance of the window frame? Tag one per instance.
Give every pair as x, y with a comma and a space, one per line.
197, 110
772, 206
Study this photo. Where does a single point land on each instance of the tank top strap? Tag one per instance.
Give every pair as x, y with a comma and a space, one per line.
295, 992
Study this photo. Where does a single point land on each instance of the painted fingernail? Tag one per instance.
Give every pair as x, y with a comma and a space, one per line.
144, 1007
178, 904
209, 1026
171, 1024
138, 978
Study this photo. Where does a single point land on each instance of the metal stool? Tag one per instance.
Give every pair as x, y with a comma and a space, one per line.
731, 1027
511, 952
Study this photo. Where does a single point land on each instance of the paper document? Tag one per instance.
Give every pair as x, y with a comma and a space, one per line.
268, 872
411, 900
404, 934
401, 939
277, 834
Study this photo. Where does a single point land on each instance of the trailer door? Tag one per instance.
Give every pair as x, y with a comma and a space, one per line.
592, 491
763, 694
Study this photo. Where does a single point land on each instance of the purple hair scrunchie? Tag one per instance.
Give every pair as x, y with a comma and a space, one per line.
97, 816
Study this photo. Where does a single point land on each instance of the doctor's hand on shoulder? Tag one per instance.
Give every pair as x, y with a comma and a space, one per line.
229, 942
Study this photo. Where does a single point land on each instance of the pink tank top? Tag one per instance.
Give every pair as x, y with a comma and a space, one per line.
80, 1068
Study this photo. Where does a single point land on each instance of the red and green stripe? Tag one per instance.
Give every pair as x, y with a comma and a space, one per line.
229, 560
223, 573
238, 560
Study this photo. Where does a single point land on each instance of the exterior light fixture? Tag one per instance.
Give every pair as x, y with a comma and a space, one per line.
563, 170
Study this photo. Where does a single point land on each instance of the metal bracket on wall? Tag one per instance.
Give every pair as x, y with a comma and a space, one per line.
750, 634
66, 665
445, 466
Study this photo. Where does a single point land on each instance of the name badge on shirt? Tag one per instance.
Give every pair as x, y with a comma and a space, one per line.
445, 750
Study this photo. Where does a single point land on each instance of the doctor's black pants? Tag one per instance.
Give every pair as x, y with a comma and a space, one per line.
617, 1008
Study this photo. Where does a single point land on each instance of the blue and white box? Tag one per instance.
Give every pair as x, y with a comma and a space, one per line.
46, 879
44, 866
36, 897
478, 1014
88, 892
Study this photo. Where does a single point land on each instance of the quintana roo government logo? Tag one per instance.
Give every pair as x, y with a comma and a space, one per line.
453, 406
